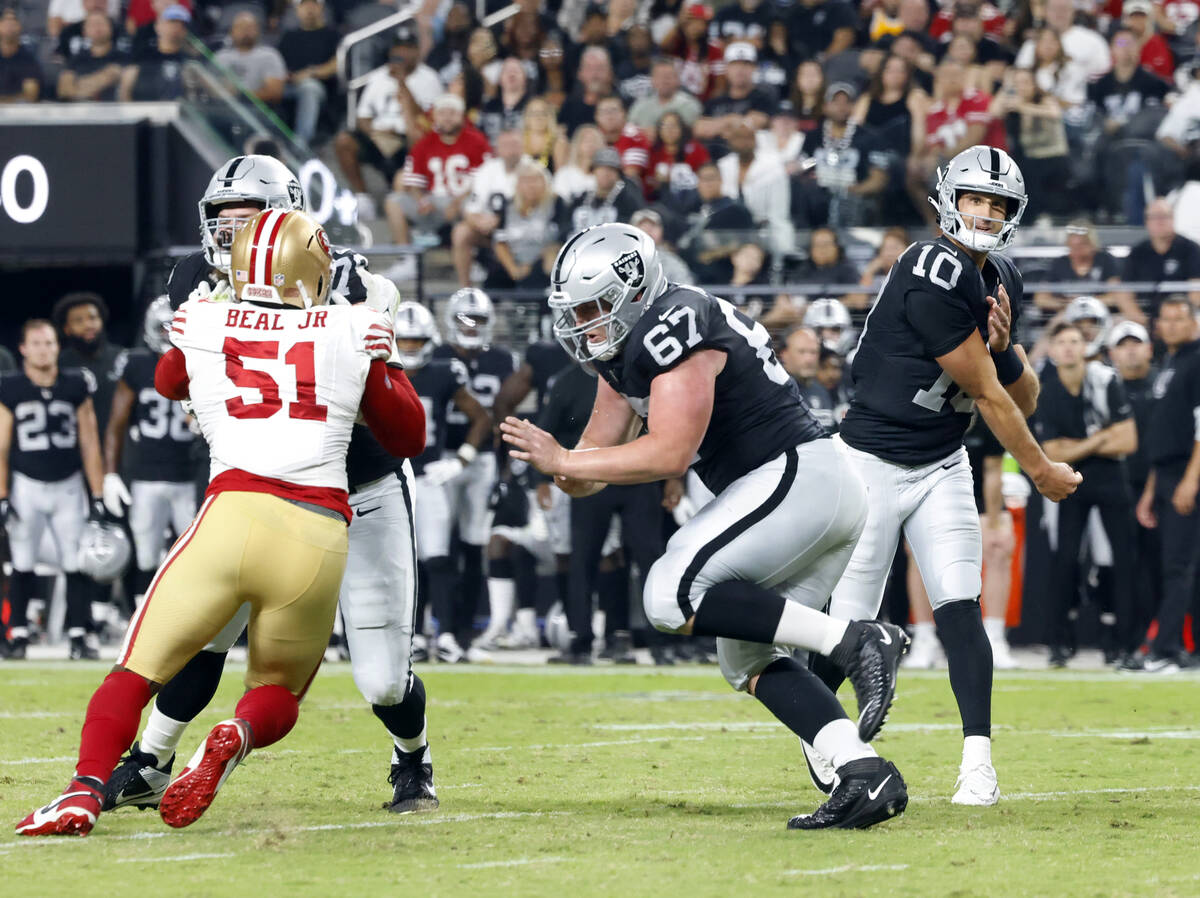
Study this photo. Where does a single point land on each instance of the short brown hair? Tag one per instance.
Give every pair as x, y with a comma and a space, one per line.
34, 324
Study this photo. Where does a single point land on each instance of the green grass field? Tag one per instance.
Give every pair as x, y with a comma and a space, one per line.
630, 782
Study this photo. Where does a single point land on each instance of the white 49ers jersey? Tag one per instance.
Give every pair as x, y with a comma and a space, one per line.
276, 391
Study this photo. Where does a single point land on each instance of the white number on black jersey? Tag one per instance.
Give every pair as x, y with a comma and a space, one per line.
33, 435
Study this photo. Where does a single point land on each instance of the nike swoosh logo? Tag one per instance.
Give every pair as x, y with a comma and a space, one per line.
951, 465
363, 512
887, 637
872, 794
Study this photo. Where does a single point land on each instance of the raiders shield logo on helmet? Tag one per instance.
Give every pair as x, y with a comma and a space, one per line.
630, 268
295, 194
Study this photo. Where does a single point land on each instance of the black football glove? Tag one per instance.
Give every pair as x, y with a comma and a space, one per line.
97, 511
7, 512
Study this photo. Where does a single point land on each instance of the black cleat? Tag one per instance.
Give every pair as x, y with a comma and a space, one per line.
137, 781
870, 654
578, 659
81, 651
15, 650
412, 780
869, 791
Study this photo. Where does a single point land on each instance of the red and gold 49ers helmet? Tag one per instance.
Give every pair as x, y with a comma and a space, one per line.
281, 257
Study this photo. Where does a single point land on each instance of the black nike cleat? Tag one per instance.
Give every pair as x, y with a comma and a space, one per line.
869, 791
870, 654
412, 779
137, 781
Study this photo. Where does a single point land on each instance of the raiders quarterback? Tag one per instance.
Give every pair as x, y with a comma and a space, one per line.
443, 387
470, 476
50, 444
378, 599
755, 566
272, 529
162, 492
937, 345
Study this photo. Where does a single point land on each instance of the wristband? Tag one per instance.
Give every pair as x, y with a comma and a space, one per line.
466, 453
1009, 366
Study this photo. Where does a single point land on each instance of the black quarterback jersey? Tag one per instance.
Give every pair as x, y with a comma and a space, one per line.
906, 409
160, 439
436, 384
757, 413
45, 438
191, 270
486, 371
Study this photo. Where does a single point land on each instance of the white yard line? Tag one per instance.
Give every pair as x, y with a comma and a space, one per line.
515, 862
849, 868
172, 858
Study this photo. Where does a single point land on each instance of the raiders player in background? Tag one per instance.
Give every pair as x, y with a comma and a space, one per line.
378, 599
50, 445
470, 475
161, 471
755, 566
81, 319
442, 385
935, 346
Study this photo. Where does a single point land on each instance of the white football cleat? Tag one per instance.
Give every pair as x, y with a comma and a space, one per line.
977, 786
189, 796
73, 813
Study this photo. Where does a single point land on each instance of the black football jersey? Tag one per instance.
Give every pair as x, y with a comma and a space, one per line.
546, 358
160, 441
45, 438
192, 269
1101, 402
758, 412
486, 371
905, 408
436, 384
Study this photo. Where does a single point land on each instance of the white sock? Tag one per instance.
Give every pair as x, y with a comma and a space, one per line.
806, 628
527, 620
161, 735
994, 627
502, 595
76, 632
408, 746
20, 632
977, 750
924, 630
838, 743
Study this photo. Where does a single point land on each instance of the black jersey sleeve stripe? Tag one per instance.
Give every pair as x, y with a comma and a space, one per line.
729, 534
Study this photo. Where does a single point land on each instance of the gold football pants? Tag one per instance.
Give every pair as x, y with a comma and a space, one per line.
285, 561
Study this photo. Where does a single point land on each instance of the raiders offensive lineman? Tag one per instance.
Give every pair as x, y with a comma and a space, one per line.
935, 346
470, 476
442, 385
50, 444
378, 597
755, 566
161, 472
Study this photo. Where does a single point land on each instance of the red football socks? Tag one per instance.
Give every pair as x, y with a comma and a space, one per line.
271, 712
111, 723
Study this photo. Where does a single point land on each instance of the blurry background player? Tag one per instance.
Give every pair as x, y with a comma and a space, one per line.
380, 632
1084, 419
81, 319
441, 383
470, 475
800, 354
50, 445
161, 472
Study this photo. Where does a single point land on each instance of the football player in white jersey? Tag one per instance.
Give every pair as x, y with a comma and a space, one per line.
277, 381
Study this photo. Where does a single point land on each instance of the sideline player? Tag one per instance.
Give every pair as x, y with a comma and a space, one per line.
276, 382
380, 563
702, 377
50, 443
935, 347
442, 385
162, 489
469, 475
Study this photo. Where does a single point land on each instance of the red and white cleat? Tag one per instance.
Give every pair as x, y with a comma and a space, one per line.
73, 813
189, 796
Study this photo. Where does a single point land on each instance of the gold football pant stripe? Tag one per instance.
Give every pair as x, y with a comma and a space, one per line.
286, 562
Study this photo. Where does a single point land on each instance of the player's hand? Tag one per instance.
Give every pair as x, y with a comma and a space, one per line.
96, 510
1145, 511
7, 512
222, 292
673, 492
999, 321
203, 291
382, 294
378, 342
534, 445
116, 497
1183, 500
684, 510
1057, 481
443, 470
545, 499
